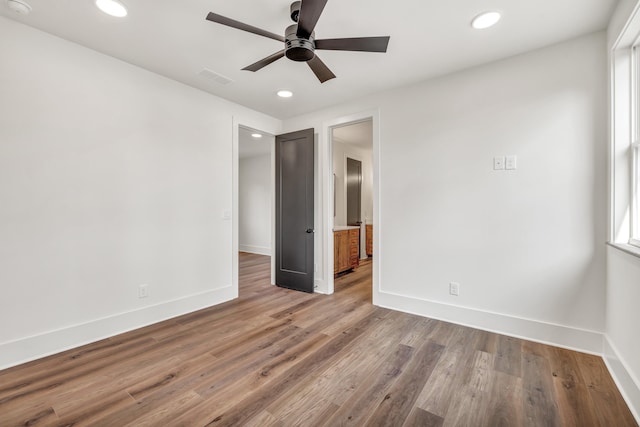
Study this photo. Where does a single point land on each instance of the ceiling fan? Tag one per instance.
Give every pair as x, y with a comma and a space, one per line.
299, 39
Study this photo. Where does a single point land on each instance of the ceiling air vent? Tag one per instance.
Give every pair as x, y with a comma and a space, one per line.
214, 77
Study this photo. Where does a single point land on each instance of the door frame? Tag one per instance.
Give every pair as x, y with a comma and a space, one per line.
326, 150
325, 204
235, 214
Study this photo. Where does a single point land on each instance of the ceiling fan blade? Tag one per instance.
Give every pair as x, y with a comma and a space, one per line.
322, 72
310, 11
265, 61
362, 44
214, 17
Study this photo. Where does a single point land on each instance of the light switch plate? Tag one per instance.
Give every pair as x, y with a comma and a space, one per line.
511, 162
498, 163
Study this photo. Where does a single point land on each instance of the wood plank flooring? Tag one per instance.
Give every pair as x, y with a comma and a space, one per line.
276, 357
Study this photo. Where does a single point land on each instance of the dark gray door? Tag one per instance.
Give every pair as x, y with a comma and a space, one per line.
354, 191
294, 210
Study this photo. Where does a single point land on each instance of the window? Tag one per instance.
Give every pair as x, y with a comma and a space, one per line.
634, 149
624, 230
635, 198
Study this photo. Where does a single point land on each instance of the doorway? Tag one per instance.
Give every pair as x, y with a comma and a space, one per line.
268, 195
325, 201
255, 200
353, 194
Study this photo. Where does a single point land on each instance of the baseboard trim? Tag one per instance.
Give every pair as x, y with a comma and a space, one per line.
24, 350
582, 340
628, 385
319, 286
258, 250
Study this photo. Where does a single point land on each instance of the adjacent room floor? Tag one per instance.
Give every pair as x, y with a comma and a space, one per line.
280, 357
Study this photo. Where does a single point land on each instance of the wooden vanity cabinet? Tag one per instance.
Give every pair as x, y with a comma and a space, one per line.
346, 250
341, 260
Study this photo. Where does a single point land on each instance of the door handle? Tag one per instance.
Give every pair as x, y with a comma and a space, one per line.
309, 230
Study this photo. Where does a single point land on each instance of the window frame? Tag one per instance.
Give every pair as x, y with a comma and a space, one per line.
624, 144
634, 235
634, 224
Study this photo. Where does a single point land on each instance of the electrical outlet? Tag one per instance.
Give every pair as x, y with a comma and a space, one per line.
511, 162
454, 289
143, 291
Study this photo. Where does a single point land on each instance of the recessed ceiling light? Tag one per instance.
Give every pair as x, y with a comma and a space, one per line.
112, 7
285, 93
18, 6
256, 135
485, 20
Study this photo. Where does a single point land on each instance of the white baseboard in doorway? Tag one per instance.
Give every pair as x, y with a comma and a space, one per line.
258, 250
319, 286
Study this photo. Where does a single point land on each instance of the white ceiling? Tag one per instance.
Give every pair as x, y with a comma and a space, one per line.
428, 38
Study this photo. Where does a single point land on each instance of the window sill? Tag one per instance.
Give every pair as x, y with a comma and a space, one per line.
625, 247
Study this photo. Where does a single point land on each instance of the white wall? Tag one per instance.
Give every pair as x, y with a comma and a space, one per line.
622, 346
110, 177
340, 153
255, 204
527, 246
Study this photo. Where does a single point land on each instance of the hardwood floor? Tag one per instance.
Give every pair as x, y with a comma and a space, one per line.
276, 357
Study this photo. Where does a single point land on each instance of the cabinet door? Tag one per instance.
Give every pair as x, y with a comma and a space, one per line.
336, 252
354, 248
341, 260
369, 238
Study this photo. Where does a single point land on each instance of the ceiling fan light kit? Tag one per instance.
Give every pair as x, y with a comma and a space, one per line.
299, 39
298, 48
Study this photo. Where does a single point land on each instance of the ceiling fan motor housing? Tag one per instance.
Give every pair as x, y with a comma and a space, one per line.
298, 48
